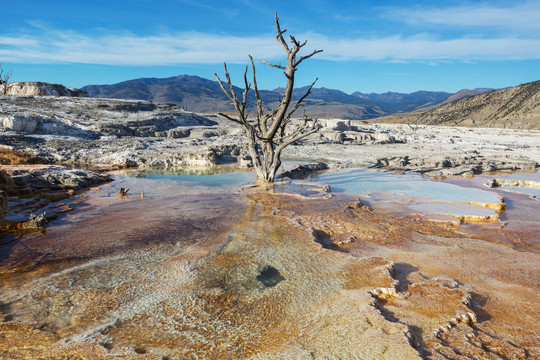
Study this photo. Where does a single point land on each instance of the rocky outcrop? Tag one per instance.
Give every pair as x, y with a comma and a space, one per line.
17, 123
53, 177
350, 132
35, 222
332, 136
473, 164
495, 183
143, 134
31, 188
336, 124
302, 171
95, 118
37, 88
175, 133
356, 137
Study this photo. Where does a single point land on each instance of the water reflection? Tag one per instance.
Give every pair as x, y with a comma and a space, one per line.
209, 176
535, 193
263, 286
211, 275
362, 181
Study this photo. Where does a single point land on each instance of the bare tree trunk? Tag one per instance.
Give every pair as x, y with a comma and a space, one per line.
4, 80
269, 132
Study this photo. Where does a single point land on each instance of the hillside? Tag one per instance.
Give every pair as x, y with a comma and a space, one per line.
191, 92
202, 95
517, 107
454, 97
394, 102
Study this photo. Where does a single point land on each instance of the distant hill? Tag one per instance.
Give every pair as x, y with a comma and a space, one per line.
191, 92
203, 95
393, 102
516, 107
454, 97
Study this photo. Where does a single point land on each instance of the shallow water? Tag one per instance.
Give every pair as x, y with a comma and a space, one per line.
451, 209
528, 191
189, 270
410, 192
362, 181
378, 189
183, 180
191, 276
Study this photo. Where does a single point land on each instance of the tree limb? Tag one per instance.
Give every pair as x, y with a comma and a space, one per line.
245, 93
297, 135
230, 118
300, 102
265, 143
273, 65
260, 111
279, 37
307, 57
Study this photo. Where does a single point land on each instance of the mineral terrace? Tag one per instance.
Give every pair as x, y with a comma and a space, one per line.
257, 273
124, 133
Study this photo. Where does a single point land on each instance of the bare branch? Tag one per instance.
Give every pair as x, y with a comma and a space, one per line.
231, 87
272, 65
223, 87
307, 56
298, 134
279, 37
230, 118
300, 102
297, 43
260, 111
231, 94
270, 133
246, 90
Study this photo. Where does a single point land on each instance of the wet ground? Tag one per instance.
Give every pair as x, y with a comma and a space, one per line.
184, 269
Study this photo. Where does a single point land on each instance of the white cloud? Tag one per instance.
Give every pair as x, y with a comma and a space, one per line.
53, 46
129, 49
7, 41
397, 48
519, 16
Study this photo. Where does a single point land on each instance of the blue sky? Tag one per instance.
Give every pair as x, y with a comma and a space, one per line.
369, 46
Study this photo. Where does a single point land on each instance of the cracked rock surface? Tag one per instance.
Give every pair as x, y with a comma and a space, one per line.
129, 133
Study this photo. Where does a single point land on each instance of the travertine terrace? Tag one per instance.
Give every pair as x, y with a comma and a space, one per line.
295, 272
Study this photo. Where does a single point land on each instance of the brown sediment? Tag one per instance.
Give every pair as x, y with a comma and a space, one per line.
27, 199
203, 297
488, 309
498, 207
37, 202
472, 219
15, 157
189, 283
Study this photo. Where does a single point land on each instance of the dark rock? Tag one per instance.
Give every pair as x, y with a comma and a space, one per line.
36, 222
302, 171
270, 276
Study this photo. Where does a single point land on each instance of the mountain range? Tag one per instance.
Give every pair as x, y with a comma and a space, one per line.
516, 107
202, 95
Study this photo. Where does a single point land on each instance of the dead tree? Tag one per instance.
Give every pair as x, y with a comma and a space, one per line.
4, 80
269, 132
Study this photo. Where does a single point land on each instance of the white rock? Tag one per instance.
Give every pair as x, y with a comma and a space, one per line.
19, 123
